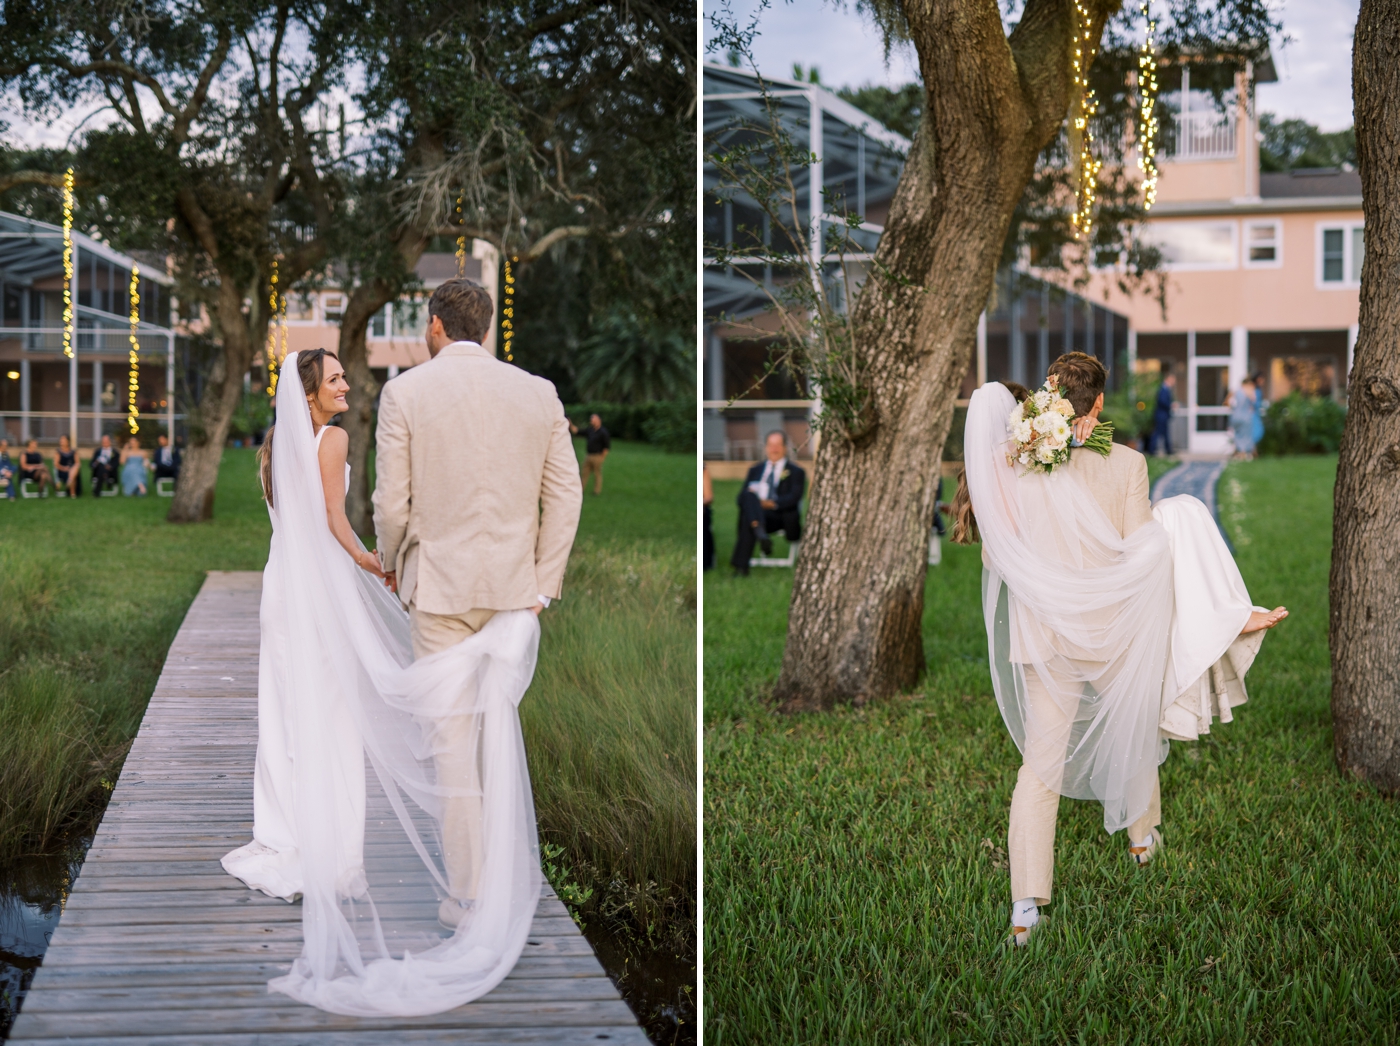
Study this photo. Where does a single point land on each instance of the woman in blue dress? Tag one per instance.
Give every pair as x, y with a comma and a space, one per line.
1244, 412
133, 468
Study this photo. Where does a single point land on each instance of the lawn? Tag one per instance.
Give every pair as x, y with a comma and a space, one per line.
92, 592
855, 880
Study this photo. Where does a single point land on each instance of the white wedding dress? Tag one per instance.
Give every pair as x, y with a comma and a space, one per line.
1102, 648
347, 804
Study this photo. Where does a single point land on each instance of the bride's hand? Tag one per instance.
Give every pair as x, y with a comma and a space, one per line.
1083, 427
369, 561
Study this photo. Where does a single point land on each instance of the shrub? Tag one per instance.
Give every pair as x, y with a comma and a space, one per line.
1300, 424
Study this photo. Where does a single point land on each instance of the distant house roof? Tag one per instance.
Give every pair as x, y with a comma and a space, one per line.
436, 268
1310, 181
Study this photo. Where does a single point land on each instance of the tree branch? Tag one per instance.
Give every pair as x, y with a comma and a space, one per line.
192, 108
9, 181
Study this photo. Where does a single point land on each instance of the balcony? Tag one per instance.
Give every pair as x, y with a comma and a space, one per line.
1199, 135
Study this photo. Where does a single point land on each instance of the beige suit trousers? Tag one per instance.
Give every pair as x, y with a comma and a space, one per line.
1035, 807
457, 753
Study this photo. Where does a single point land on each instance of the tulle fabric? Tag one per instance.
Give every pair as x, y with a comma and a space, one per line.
1078, 622
352, 817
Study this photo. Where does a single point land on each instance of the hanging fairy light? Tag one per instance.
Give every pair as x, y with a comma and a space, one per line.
461, 241
1148, 124
1081, 134
508, 311
133, 381
68, 263
272, 312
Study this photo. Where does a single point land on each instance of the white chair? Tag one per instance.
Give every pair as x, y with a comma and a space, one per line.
935, 549
27, 490
165, 487
775, 561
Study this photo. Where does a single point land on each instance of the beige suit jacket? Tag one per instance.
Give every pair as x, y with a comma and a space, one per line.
1118, 482
477, 495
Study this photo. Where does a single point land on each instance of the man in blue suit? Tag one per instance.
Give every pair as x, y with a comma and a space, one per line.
1162, 415
768, 502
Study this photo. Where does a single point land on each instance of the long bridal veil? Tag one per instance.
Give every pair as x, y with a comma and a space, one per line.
342, 661
1102, 647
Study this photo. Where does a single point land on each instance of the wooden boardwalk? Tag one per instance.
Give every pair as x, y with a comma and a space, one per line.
158, 945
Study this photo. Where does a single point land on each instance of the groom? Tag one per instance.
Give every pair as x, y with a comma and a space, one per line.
1118, 482
461, 541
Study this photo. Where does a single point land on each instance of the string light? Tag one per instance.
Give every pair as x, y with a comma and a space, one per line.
133, 381
1081, 135
272, 310
68, 263
1148, 124
461, 241
508, 311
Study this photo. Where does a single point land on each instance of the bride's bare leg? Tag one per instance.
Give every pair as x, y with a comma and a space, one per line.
1257, 621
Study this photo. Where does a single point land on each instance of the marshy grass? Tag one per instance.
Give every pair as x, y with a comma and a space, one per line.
856, 888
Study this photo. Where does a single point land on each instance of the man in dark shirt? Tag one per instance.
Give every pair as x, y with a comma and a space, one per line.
598, 443
105, 464
1162, 416
167, 459
769, 502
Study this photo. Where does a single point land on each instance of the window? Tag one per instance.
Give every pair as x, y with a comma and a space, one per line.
1193, 245
1341, 249
334, 304
377, 323
1263, 245
301, 308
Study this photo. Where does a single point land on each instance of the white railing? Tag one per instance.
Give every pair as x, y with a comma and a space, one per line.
1207, 135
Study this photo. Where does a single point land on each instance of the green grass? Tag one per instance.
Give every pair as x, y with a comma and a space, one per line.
92, 592
855, 882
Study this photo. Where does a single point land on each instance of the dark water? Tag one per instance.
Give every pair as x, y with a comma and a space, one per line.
658, 985
32, 894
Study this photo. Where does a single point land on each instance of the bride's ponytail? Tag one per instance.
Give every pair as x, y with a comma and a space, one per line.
311, 368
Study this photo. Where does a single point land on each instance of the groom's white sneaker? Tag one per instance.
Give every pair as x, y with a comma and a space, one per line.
452, 912
1025, 915
1144, 851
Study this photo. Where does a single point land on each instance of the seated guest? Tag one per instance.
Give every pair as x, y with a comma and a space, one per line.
707, 516
768, 502
167, 461
66, 468
31, 465
8, 483
133, 469
104, 466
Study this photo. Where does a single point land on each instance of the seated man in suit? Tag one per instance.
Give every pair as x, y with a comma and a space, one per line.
167, 459
769, 502
105, 463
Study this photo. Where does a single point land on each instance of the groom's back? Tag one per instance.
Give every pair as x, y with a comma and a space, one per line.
1118, 482
478, 491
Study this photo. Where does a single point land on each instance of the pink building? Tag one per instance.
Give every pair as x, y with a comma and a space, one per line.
1263, 269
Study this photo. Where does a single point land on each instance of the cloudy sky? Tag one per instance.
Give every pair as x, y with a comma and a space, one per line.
1314, 67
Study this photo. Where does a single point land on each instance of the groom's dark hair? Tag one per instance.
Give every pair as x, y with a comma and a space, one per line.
1080, 379
465, 308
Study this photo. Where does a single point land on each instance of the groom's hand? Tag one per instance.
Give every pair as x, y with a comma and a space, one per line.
1083, 427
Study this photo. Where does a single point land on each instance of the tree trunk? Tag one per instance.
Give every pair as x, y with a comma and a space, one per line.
854, 627
199, 469
358, 421
1365, 582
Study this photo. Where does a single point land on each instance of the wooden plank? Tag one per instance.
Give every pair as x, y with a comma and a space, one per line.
158, 945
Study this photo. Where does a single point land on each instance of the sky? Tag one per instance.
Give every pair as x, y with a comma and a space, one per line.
1314, 66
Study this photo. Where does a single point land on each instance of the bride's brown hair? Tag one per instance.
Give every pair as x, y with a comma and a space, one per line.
311, 368
964, 522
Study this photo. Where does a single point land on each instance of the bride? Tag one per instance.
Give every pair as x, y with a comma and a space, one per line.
348, 798
1112, 626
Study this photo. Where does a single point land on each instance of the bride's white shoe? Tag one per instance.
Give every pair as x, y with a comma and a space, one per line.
452, 912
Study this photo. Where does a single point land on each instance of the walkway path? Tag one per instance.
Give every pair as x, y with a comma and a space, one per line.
158, 945
1199, 479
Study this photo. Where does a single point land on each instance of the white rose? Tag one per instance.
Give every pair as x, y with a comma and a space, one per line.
1021, 431
1045, 454
1025, 459
1014, 416
1042, 399
1063, 407
1044, 423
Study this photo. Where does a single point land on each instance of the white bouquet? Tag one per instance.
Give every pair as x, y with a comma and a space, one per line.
1041, 436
